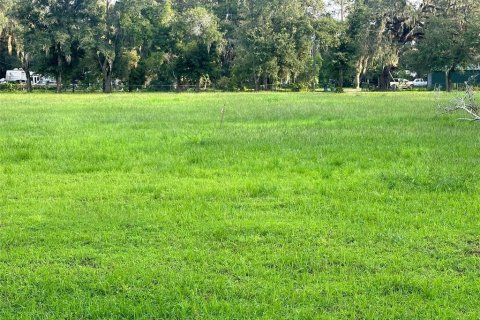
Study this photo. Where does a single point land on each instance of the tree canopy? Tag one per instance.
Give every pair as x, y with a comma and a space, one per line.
255, 44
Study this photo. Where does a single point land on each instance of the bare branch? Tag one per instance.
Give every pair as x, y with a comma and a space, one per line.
466, 103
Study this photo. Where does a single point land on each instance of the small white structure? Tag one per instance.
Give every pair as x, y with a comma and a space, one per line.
18, 75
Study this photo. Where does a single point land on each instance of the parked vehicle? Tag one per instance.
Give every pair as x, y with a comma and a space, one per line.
46, 83
419, 83
2, 81
19, 76
400, 84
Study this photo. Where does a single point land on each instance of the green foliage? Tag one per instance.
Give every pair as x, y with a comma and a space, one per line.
5, 7
299, 86
450, 41
200, 43
226, 84
278, 44
12, 87
442, 48
255, 43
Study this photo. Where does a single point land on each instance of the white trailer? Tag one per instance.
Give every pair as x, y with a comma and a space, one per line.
19, 76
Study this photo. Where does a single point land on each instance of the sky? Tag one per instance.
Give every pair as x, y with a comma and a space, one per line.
335, 9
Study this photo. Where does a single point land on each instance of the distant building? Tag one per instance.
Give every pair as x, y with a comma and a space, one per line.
438, 78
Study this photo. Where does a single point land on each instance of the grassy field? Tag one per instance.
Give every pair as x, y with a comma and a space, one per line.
299, 206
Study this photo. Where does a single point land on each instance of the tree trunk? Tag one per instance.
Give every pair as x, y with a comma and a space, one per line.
447, 75
59, 73
28, 77
107, 82
342, 11
448, 79
10, 44
107, 76
340, 79
357, 79
265, 83
59, 82
361, 69
384, 80
179, 84
197, 85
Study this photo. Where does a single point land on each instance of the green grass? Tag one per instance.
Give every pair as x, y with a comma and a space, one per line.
300, 206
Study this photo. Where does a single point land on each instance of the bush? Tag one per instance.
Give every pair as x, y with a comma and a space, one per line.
299, 86
225, 84
11, 87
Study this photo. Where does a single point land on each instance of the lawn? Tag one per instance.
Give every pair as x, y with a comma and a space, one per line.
297, 206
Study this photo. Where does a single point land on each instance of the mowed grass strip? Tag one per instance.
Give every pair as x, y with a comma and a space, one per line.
298, 206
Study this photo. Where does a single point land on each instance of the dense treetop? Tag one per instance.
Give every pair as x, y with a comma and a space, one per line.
236, 44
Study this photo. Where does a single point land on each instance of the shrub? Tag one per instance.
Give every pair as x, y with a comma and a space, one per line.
11, 87
299, 86
225, 84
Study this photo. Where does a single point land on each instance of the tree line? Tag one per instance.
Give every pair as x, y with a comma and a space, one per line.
236, 44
